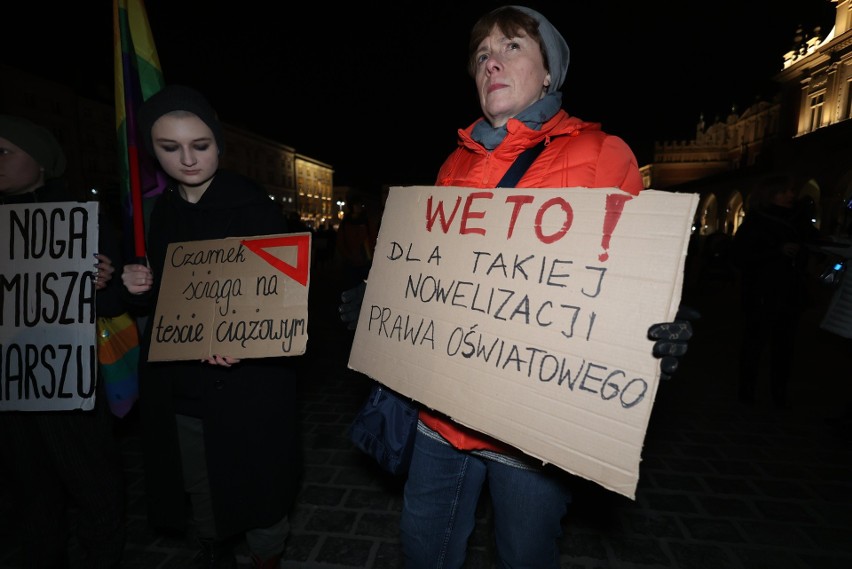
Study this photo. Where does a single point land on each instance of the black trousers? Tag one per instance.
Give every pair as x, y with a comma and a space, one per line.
772, 331
57, 461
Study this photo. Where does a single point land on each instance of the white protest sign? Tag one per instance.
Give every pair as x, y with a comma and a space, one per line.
48, 355
523, 313
245, 297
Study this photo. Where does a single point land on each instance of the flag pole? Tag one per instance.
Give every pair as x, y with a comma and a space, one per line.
135, 185
138, 75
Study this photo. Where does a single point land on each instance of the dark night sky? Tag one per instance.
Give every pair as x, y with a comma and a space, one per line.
378, 89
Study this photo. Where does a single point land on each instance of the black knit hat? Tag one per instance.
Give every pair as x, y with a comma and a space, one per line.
177, 98
36, 141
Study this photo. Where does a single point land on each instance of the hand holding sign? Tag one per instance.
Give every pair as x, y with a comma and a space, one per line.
217, 360
671, 339
103, 271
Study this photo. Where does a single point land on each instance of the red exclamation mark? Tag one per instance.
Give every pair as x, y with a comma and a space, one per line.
614, 207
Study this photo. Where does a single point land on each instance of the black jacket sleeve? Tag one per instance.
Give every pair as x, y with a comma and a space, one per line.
110, 300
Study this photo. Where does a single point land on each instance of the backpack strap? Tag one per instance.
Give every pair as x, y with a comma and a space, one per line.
516, 171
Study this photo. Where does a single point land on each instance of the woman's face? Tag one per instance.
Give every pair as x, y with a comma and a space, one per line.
186, 149
19, 172
510, 75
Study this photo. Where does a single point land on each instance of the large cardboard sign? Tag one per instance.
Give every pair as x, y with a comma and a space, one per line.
523, 313
48, 358
245, 297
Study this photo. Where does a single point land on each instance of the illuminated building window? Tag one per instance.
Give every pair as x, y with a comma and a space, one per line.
817, 103
848, 100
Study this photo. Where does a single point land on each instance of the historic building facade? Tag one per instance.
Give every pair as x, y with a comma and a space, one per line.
806, 131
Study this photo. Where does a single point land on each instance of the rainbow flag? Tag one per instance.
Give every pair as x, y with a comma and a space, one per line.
137, 76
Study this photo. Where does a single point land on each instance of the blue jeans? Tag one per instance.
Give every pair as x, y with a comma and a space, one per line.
439, 507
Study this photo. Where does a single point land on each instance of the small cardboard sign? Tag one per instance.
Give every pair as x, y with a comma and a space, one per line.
245, 297
523, 314
48, 355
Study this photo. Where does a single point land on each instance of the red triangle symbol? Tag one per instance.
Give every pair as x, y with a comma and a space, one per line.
302, 242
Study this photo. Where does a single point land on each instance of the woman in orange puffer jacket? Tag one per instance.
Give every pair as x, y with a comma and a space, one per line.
518, 61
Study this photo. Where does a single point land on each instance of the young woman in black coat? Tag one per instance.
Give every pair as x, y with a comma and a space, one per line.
223, 431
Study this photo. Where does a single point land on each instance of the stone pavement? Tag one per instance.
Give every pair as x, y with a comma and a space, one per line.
721, 486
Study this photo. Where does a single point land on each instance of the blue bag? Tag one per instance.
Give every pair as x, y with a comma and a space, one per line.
384, 428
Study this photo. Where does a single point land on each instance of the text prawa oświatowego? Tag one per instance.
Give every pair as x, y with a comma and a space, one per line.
513, 291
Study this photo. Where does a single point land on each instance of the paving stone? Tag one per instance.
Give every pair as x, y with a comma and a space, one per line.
317, 495
709, 529
365, 472
694, 555
684, 465
640, 551
331, 521
761, 558
378, 525
831, 474
784, 510
730, 486
826, 560
840, 493
835, 539
321, 474
776, 534
372, 499
576, 544
659, 526
667, 502
345, 551
699, 451
300, 547
783, 489
832, 514
734, 467
727, 507
677, 482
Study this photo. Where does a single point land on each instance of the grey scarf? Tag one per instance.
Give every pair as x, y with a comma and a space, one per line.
533, 116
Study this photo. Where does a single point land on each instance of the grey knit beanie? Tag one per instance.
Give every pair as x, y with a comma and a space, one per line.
178, 98
555, 46
36, 141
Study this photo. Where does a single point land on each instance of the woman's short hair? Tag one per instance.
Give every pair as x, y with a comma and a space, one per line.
510, 21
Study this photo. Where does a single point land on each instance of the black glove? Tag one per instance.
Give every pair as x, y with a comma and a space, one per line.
350, 306
672, 338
